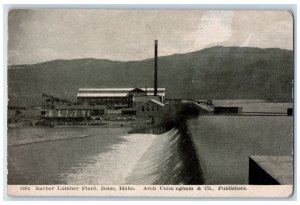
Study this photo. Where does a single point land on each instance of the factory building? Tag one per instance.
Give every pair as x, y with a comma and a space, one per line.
116, 98
74, 112
92, 103
150, 111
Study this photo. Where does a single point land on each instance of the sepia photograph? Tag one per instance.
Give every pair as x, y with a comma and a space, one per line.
150, 102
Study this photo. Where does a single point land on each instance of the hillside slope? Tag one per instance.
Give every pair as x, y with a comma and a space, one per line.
215, 73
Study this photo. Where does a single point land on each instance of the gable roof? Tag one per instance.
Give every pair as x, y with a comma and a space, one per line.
157, 102
137, 90
152, 101
144, 98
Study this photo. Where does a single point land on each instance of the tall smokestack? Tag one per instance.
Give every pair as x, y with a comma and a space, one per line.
155, 68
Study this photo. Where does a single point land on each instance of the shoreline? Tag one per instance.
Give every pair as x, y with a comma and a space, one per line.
106, 124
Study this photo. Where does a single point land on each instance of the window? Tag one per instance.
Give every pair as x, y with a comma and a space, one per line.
143, 109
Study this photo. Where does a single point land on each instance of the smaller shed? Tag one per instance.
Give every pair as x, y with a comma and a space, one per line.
151, 107
74, 112
93, 109
150, 112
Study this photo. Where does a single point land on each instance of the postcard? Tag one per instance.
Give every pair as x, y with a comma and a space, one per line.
152, 103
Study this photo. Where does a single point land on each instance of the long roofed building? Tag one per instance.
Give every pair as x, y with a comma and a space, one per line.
116, 97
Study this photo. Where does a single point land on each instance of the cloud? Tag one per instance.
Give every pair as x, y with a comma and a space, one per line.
265, 29
42, 35
247, 41
214, 27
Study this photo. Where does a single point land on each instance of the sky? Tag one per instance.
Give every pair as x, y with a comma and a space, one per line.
36, 36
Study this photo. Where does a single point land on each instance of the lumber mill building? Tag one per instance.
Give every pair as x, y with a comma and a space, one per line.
117, 98
94, 102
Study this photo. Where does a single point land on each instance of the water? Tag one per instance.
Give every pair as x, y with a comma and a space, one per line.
215, 149
106, 156
52, 162
114, 166
224, 143
171, 160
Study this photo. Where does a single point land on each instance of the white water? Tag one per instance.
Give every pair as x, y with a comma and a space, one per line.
114, 166
141, 159
148, 169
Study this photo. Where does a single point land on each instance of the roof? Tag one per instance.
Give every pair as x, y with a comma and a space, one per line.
116, 89
154, 101
79, 107
157, 102
144, 98
115, 92
135, 90
80, 95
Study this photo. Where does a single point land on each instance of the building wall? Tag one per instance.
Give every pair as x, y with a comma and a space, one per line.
109, 101
149, 108
150, 113
139, 100
72, 114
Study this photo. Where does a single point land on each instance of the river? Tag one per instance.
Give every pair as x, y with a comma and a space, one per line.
223, 145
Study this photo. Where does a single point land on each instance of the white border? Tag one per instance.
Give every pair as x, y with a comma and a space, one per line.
60, 3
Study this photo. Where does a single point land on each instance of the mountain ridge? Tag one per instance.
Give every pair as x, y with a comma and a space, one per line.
175, 54
215, 73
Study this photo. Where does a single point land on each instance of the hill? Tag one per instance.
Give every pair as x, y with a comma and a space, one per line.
214, 73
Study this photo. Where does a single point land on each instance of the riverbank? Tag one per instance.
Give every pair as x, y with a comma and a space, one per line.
103, 123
